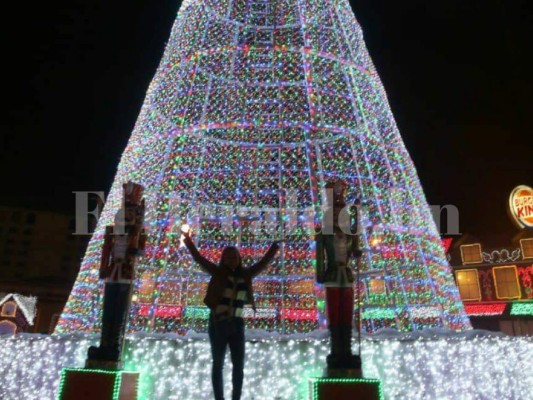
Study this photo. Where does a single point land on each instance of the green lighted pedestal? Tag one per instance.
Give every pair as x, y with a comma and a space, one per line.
91, 384
345, 389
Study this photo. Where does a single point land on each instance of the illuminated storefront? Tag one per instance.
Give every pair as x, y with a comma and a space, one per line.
496, 284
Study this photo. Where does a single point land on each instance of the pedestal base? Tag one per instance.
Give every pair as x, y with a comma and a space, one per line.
343, 362
345, 389
343, 373
104, 365
88, 384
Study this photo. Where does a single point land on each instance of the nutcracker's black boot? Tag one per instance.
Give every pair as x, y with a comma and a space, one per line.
114, 321
349, 360
341, 363
334, 357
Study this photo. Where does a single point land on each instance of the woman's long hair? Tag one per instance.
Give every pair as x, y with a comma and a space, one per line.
225, 252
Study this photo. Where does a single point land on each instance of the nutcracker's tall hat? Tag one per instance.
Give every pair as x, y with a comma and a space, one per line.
255, 106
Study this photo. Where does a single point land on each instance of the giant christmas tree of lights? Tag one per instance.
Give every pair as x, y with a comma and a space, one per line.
255, 105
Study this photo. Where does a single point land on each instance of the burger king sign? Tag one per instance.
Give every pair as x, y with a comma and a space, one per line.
521, 206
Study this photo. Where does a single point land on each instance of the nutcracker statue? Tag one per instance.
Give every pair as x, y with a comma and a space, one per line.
336, 244
123, 244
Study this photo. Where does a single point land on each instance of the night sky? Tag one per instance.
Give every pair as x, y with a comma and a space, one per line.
457, 73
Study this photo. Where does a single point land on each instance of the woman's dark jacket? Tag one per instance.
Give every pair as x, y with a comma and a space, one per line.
219, 274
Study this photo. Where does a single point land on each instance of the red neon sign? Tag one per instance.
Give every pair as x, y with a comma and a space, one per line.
300, 315
485, 309
161, 311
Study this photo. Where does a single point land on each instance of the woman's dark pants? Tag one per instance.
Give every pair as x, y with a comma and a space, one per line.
221, 334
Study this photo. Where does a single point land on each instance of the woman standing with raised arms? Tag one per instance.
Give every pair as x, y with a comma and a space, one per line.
229, 289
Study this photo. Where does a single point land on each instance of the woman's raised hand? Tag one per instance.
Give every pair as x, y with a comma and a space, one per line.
186, 231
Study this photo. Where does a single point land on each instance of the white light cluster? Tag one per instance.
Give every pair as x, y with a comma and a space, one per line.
437, 368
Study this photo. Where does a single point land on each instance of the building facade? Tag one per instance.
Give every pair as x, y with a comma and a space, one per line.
496, 284
39, 256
